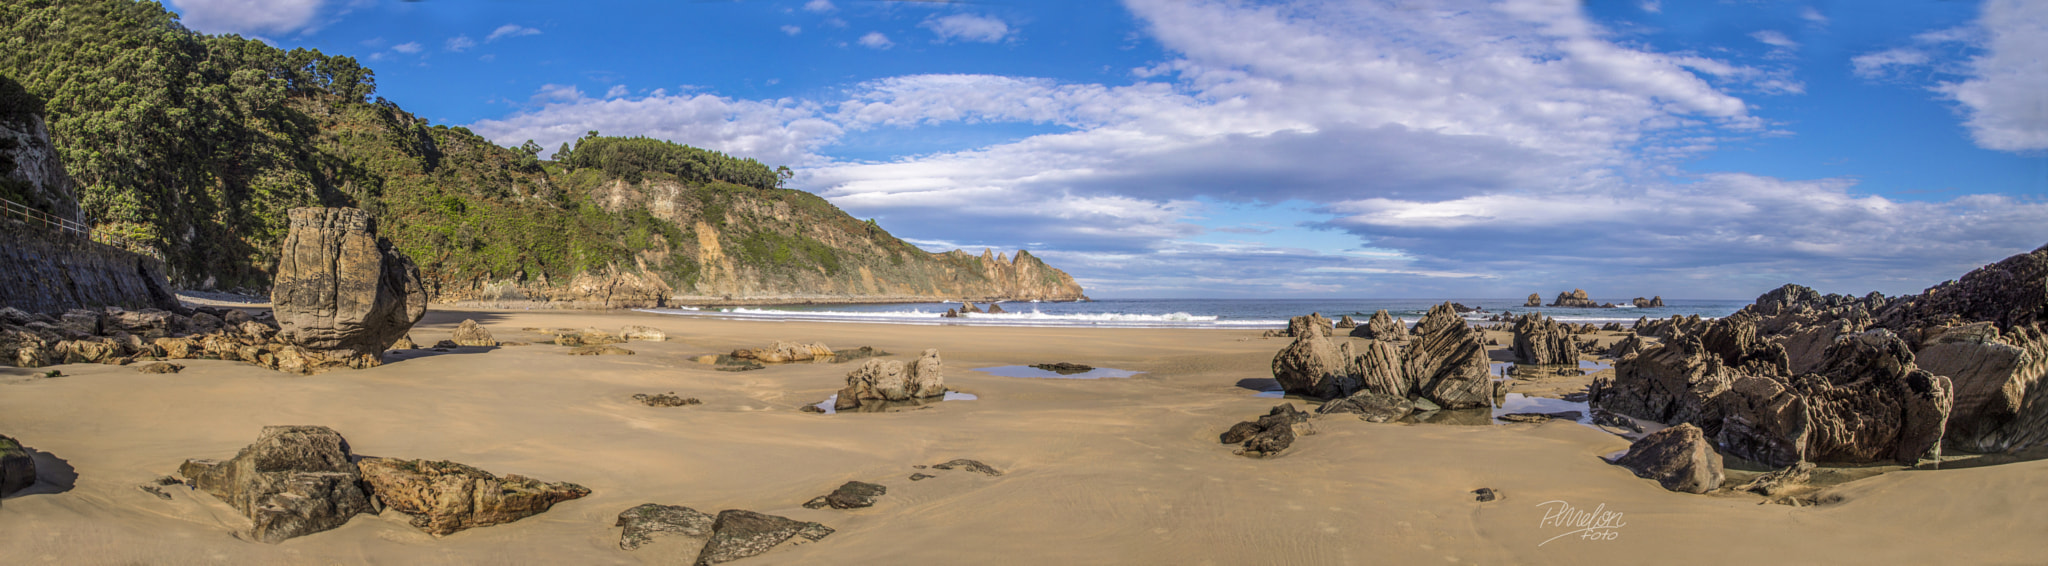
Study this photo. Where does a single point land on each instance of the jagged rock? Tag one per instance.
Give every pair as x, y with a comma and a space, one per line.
968, 307
1679, 458
405, 343
1648, 303
669, 399
1535, 300
342, 292
1316, 366
1780, 481
890, 380
1629, 346
1575, 299
469, 333
850, 495
1542, 340
643, 334
1994, 373
950, 313
968, 465
784, 352
444, 497
17, 466
1270, 434
994, 308
1314, 323
293, 481
1371, 406
643, 522
739, 534
1346, 322
1447, 364
1381, 326
161, 367
600, 350
1611, 327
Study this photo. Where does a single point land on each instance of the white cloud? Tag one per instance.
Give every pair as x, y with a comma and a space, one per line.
1813, 15
774, 131
875, 40
1651, 6
616, 91
407, 47
820, 6
510, 30
1883, 63
1775, 38
460, 43
2006, 93
248, 16
792, 30
968, 27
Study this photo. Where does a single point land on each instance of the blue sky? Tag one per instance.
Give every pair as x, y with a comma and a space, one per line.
1196, 148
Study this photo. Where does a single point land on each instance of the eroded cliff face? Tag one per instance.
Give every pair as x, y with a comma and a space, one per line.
735, 245
30, 171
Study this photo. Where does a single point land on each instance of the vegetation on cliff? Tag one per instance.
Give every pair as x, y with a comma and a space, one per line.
194, 146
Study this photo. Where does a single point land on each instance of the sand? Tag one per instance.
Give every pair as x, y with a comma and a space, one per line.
1114, 471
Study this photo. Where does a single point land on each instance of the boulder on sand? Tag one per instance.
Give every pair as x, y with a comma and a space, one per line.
739, 533
893, 380
1381, 326
1270, 434
1679, 458
293, 481
785, 352
17, 467
342, 292
469, 333
445, 497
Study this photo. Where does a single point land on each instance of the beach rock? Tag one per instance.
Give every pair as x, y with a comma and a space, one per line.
968, 307
1346, 322
600, 350
1065, 368
1673, 383
1780, 481
1315, 366
586, 337
1648, 303
1538, 418
341, 291
17, 467
1679, 458
1446, 363
785, 352
1535, 300
1993, 373
890, 380
1627, 346
967, 465
740, 534
446, 345
1270, 434
1381, 326
444, 497
469, 333
921, 476
1542, 340
850, 495
161, 367
293, 481
1371, 406
950, 313
1314, 323
669, 399
637, 333
1575, 299
1486, 495
405, 343
642, 523
1870, 403
996, 308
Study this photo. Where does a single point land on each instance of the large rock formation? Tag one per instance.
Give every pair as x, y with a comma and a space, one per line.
1679, 458
342, 292
1541, 340
1535, 300
1382, 326
1574, 299
294, 481
445, 497
1653, 302
893, 380
1445, 363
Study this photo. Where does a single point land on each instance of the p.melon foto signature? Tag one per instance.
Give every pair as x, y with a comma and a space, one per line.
1596, 524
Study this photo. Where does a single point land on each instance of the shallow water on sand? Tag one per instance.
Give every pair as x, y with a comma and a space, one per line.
826, 406
1032, 372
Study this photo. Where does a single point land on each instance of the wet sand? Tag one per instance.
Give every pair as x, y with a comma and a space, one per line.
1098, 471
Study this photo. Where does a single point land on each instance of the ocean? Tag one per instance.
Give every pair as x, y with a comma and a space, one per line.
1189, 313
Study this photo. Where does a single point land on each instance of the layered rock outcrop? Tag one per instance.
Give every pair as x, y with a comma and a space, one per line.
1575, 299
445, 497
293, 481
1541, 340
1382, 326
341, 292
892, 380
1445, 363
1680, 458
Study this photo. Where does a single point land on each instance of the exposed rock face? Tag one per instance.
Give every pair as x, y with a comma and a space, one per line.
48, 271
1447, 364
892, 380
342, 292
294, 481
1541, 340
1679, 458
1314, 323
1346, 322
1315, 365
1371, 406
784, 352
1654, 302
1535, 300
469, 333
1381, 327
1575, 299
851, 495
643, 522
17, 467
1629, 346
739, 534
445, 497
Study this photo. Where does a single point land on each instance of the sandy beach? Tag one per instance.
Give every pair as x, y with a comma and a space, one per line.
1111, 471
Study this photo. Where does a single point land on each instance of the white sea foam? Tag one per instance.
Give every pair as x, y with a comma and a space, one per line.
1032, 318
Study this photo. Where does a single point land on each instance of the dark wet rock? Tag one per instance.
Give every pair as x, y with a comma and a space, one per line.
1065, 368
1542, 340
161, 367
1270, 434
600, 350
1382, 326
891, 380
444, 497
1654, 302
1625, 347
1679, 458
964, 464
342, 292
1486, 495
850, 495
1615, 422
861, 353
967, 307
1575, 397
641, 524
469, 333
1781, 481
17, 467
921, 476
446, 345
740, 534
950, 313
1371, 406
293, 481
1573, 416
669, 399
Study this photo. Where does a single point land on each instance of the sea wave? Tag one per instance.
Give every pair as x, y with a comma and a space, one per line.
1032, 318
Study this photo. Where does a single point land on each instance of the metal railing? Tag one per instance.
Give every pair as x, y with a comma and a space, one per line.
47, 221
